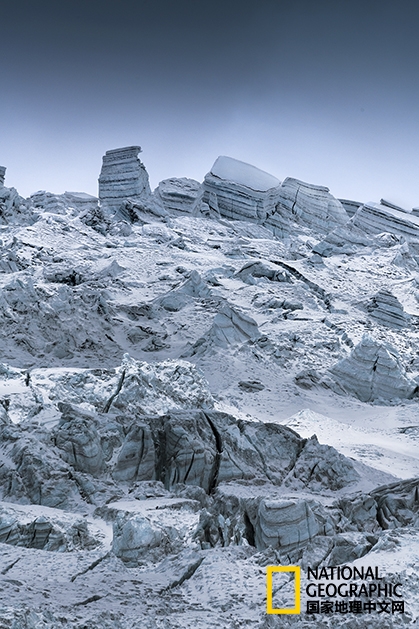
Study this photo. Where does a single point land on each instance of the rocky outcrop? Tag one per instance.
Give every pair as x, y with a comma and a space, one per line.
186, 450
142, 211
10, 261
78, 203
123, 176
239, 191
2, 175
255, 450
374, 218
178, 196
148, 388
361, 511
263, 517
195, 286
206, 449
230, 328
397, 504
145, 530
136, 387
193, 448
387, 310
373, 371
307, 204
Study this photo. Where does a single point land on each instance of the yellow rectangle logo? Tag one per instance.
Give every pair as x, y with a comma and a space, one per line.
269, 593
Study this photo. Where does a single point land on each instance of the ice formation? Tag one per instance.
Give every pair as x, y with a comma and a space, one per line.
374, 218
307, 204
373, 372
387, 309
178, 196
167, 360
123, 177
240, 191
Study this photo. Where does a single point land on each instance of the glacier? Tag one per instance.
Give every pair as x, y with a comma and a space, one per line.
198, 382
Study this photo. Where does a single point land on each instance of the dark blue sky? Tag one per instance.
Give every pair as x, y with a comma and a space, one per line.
323, 90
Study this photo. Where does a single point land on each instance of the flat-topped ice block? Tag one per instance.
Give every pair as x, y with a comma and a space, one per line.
242, 173
240, 191
375, 218
123, 176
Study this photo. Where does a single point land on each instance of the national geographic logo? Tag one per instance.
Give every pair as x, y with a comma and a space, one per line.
335, 590
270, 571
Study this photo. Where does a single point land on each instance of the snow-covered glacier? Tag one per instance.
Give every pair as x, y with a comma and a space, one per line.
198, 382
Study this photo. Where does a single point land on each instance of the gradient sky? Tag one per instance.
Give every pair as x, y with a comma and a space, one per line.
323, 90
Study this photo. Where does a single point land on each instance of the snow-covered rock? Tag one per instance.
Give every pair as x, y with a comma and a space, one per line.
149, 529
393, 206
73, 203
78, 439
260, 269
387, 507
192, 461
46, 528
13, 208
137, 458
194, 287
397, 504
33, 472
350, 546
